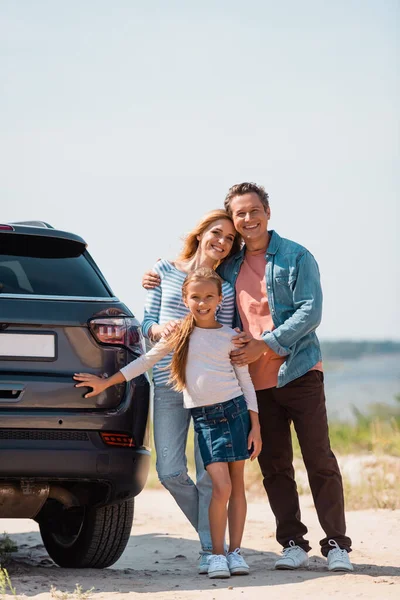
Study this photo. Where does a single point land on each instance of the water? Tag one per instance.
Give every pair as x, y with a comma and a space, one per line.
361, 382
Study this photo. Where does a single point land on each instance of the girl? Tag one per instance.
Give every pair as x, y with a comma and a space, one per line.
212, 240
222, 401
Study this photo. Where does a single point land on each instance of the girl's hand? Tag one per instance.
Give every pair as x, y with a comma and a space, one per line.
88, 380
150, 280
254, 440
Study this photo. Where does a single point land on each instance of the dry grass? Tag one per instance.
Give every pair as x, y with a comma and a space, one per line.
77, 594
369, 456
6, 587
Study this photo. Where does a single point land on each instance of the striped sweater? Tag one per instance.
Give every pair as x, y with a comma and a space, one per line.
164, 303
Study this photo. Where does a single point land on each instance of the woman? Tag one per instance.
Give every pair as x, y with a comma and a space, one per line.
210, 242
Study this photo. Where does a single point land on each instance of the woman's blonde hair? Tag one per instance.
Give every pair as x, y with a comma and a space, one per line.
179, 340
191, 243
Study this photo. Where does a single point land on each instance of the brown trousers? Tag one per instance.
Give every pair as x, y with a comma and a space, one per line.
303, 402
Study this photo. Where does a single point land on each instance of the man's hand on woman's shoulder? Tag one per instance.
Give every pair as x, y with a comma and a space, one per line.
150, 280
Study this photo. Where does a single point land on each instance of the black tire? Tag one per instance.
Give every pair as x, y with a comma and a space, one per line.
88, 537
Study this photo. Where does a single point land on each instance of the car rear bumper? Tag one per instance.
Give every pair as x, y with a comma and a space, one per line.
122, 471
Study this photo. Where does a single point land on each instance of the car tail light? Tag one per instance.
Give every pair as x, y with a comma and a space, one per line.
123, 440
6, 228
118, 331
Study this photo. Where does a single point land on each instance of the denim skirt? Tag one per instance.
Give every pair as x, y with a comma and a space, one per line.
222, 431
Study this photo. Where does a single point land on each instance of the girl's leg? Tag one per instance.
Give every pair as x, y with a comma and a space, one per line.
237, 508
218, 514
171, 424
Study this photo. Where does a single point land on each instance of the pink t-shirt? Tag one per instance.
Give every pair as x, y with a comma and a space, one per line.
252, 301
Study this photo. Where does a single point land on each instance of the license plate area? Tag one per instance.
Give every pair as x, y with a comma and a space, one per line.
28, 346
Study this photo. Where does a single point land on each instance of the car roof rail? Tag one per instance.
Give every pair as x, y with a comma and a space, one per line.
33, 224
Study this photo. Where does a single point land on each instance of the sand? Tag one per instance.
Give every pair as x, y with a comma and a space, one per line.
161, 558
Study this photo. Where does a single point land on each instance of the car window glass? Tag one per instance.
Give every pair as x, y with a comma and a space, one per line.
47, 266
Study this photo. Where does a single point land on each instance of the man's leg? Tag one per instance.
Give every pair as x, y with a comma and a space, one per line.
305, 401
275, 461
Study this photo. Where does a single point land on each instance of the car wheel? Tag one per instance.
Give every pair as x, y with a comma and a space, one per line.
88, 537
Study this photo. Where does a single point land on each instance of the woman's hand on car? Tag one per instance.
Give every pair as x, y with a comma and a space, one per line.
150, 280
98, 384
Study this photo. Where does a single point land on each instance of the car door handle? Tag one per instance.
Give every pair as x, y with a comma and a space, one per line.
11, 392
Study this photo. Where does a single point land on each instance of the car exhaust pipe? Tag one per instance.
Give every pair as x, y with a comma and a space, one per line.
26, 501
63, 496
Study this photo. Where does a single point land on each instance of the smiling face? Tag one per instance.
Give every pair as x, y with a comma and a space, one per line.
216, 241
202, 298
250, 218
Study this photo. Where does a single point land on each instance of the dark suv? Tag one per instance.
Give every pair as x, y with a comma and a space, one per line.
72, 464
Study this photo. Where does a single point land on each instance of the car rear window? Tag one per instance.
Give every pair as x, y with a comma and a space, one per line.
47, 266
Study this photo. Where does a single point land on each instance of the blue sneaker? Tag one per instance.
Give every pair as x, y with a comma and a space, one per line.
237, 564
203, 562
218, 567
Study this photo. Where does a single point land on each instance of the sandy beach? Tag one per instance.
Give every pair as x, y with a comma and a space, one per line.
161, 558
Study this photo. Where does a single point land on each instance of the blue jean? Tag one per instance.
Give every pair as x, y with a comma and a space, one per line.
171, 425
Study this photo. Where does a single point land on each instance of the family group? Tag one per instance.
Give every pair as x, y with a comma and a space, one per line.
233, 320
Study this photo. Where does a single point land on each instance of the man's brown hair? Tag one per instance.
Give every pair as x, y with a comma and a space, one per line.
245, 188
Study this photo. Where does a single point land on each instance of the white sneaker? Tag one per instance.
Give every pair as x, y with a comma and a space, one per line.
292, 557
218, 567
203, 562
338, 558
237, 564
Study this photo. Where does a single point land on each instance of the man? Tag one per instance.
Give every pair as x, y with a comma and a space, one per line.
279, 305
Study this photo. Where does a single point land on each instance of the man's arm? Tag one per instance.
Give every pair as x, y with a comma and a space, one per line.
307, 301
150, 280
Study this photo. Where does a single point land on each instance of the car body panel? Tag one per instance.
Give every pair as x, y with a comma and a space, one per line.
48, 430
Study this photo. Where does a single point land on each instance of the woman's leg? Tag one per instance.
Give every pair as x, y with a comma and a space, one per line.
218, 514
237, 507
171, 424
204, 488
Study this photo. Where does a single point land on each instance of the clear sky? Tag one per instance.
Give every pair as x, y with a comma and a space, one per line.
125, 120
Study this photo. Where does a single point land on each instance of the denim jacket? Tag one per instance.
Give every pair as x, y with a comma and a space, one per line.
295, 301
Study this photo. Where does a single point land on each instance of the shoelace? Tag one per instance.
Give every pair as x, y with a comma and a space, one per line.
291, 549
235, 555
218, 561
337, 549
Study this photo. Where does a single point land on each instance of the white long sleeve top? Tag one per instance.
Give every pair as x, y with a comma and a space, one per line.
164, 303
211, 378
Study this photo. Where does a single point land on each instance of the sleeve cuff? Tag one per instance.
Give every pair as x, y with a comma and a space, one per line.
271, 341
126, 372
145, 328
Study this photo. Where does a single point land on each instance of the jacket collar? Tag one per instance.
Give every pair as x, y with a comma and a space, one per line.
274, 242
273, 246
